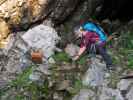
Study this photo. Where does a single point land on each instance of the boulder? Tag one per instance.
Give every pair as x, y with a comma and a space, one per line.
42, 38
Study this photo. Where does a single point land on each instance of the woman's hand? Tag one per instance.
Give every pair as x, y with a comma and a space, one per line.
76, 57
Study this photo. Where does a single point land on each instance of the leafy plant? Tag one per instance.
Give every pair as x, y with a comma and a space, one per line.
61, 57
26, 89
130, 63
76, 86
82, 60
23, 78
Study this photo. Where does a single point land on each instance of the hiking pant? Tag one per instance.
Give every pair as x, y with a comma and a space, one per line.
103, 52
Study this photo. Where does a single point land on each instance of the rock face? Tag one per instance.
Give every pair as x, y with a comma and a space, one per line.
18, 57
108, 94
95, 74
19, 14
24, 12
4, 32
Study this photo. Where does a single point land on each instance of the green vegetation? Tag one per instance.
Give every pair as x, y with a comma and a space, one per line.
82, 60
114, 98
77, 85
22, 79
126, 40
25, 89
122, 51
22, 88
127, 56
61, 57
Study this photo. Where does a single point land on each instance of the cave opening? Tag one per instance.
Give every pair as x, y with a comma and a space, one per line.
116, 9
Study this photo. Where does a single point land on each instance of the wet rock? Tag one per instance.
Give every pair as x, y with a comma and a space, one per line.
84, 94
94, 76
42, 37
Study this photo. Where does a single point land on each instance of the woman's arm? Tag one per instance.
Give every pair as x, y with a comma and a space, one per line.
81, 50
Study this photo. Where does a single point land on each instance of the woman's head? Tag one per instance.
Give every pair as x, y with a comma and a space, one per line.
78, 31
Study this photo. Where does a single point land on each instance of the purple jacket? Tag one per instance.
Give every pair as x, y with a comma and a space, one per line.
89, 38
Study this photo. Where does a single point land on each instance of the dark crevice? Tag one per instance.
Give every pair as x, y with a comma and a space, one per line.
116, 9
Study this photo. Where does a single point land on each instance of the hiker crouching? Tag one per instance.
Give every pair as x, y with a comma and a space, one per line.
91, 33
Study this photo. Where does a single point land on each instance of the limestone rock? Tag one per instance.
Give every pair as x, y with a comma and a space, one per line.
63, 85
42, 38
44, 68
94, 76
124, 84
4, 32
109, 94
71, 50
84, 94
129, 95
